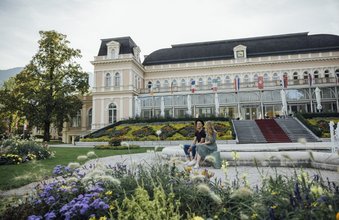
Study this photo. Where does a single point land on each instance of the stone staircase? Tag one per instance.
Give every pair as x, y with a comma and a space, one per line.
248, 132
295, 130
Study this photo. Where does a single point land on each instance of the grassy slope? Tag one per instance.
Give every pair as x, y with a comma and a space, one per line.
13, 176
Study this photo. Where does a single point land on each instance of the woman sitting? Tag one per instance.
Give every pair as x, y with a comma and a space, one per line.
207, 148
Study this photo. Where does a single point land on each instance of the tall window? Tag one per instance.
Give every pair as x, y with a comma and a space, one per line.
227, 80
255, 78
337, 73
209, 81
90, 118
295, 75
201, 82
266, 77
327, 74
183, 83
305, 75
112, 54
157, 84
316, 74
112, 113
166, 84
275, 77
76, 121
218, 81
117, 79
108, 80
174, 83
246, 79
149, 85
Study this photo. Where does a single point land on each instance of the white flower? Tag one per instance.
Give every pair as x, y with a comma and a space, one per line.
241, 193
82, 157
156, 148
215, 198
203, 188
158, 132
72, 179
74, 165
91, 154
210, 158
109, 179
181, 146
124, 144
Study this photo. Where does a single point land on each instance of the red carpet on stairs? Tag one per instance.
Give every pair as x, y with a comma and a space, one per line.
272, 132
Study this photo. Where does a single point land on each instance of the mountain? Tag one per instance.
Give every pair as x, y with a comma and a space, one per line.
6, 74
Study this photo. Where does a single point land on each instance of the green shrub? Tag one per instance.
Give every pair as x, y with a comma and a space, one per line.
116, 141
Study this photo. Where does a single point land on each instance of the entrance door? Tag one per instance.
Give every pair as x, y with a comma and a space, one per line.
251, 113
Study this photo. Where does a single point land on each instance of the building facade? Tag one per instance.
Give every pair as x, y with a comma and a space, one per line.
247, 78
240, 78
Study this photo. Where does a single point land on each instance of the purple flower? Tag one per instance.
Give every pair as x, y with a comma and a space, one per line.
50, 215
34, 217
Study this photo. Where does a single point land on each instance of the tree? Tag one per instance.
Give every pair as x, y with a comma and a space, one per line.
50, 85
10, 107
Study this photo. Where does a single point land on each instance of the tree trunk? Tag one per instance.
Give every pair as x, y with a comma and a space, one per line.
47, 125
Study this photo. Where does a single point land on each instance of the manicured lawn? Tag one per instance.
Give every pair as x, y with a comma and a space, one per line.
14, 176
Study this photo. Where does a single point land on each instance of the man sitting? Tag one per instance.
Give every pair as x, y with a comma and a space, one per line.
199, 137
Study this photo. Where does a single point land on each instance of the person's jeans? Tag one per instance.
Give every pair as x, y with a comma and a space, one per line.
186, 147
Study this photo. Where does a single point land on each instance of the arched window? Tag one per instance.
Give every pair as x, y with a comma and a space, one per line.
218, 81
266, 77
337, 73
295, 75
157, 84
246, 79
275, 77
305, 75
316, 74
327, 74
255, 78
90, 117
112, 113
149, 85
183, 83
166, 84
201, 82
174, 83
117, 79
227, 80
209, 81
108, 80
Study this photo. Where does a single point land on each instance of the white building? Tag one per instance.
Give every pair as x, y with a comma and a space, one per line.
306, 61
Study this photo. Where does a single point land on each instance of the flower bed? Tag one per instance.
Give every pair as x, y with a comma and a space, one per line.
16, 151
163, 191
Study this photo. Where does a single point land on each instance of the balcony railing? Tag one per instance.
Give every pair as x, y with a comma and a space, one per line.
243, 85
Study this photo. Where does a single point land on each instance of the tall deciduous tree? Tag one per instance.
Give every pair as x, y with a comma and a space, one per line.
50, 85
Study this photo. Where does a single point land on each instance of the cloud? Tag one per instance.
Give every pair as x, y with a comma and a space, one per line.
153, 24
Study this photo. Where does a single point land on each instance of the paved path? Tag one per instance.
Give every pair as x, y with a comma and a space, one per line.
251, 172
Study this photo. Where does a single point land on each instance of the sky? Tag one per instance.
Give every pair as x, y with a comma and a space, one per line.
153, 24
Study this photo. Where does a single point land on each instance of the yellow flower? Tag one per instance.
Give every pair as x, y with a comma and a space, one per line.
337, 216
314, 204
254, 216
111, 207
235, 155
274, 193
197, 218
274, 206
103, 218
92, 218
108, 193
